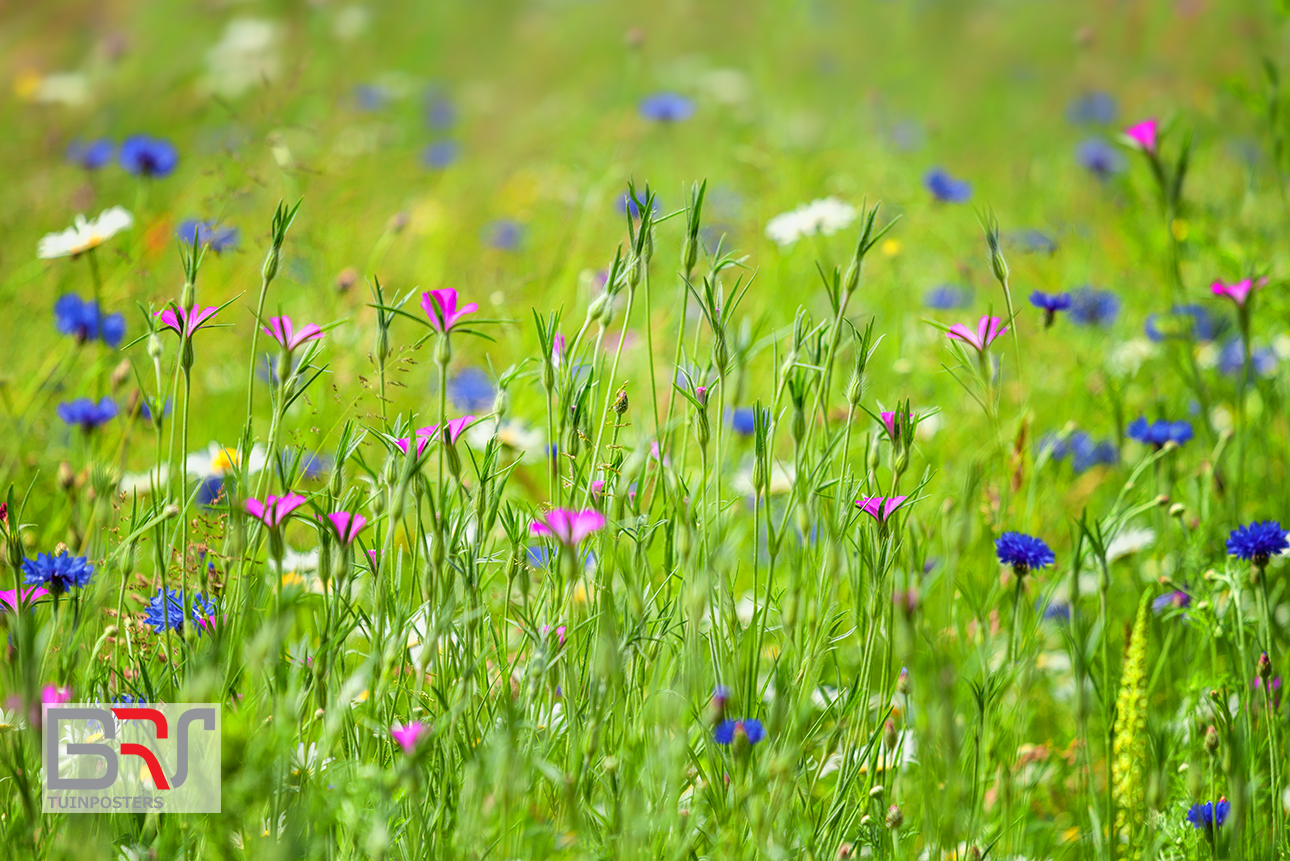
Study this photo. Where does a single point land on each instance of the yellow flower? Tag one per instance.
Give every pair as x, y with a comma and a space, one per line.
891, 247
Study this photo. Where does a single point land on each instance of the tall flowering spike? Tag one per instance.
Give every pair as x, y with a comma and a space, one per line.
1143, 135
185, 323
281, 330
987, 329
880, 508
1258, 542
407, 735
567, 526
441, 307
1239, 292
274, 510
1129, 753
347, 525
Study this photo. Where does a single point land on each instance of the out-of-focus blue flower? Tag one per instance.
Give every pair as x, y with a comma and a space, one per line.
666, 108
1091, 307
948, 297
1023, 552
370, 97
1095, 108
86, 414
128, 700
148, 156
471, 390
1177, 598
503, 234
1255, 543
74, 316
1160, 431
1034, 241
625, 204
1050, 304
1182, 320
166, 611
91, 155
1057, 611
210, 492
1100, 157
58, 573
214, 236
946, 188
908, 135
147, 405
749, 728
313, 466
1205, 816
743, 420
440, 154
539, 557
441, 113
1231, 359
1085, 453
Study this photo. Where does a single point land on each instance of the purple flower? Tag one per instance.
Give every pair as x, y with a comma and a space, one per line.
407, 735
568, 526
148, 156
728, 730
504, 234
1257, 542
471, 389
166, 611
946, 188
1050, 304
440, 154
1159, 432
1231, 359
369, 97
1023, 552
1091, 307
86, 414
666, 108
58, 573
441, 113
92, 155
1183, 320
1204, 817
74, 316
743, 421
213, 236
1177, 598
948, 297
441, 307
627, 204
1095, 108
1033, 241
1099, 157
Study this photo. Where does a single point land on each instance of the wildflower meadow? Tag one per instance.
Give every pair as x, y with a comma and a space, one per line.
590, 430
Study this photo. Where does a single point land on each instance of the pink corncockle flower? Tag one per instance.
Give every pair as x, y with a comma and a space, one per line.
1144, 134
890, 422
987, 329
422, 442
347, 525
455, 429
880, 508
597, 488
559, 633
441, 307
275, 509
557, 350
9, 597
567, 526
185, 323
407, 735
54, 695
1238, 292
281, 330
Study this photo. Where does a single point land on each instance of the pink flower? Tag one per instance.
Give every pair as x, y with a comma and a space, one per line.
889, 422
598, 487
880, 508
455, 427
987, 329
559, 633
9, 597
1238, 292
347, 525
407, 736
54, 695
567, 526
185, 323
275, 509
1144, 134
422, 442
441, 307
557, 350
281, 330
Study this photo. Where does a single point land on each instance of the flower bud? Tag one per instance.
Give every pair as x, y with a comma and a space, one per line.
186, 358
1264, 667
347, 278
442, 351
188, 295
894, 817
851, 280
689, 254
876, 792
155, 348
501, 403
270, 269
620, 403
66, 478
1211, 741
902, 681
890, 738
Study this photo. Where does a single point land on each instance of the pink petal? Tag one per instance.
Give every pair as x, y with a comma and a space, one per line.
255, 508
1144, 133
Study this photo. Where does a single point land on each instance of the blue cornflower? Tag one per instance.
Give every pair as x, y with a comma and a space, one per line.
1057, 611
666, 107
148, 156
1034, 241
743, 420
1056, 445
215, 237
948, 297
908, 135
1095, 108
749, 728
1257, 542
87, 414
1204, 325
1091, 307
946, 188
128, 700
1231, 359
441, 113
370, 97
503, 234
1160, 431
1086, 454
1206, 816
626, 204
210, 492
1050, 304
58, 573
92, 155
1100, 157
148, 406
1023, 552
166, 611
1177, 598
74, 316
440, 154
471, 390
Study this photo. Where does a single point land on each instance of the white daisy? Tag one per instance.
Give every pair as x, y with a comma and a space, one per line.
218, 460
245, 57
823, 217
513, 435
84, 235
1129, 541
142, 482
